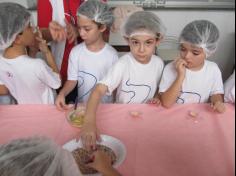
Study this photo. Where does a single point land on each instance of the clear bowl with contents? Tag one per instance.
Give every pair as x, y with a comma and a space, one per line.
76, 117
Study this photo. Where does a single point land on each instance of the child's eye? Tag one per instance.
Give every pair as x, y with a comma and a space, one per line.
148, 43
196, 53
135, 43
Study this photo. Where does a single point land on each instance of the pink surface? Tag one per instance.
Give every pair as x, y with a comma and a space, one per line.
159, 143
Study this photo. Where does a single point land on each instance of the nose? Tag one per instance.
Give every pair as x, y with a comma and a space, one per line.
188, 56
82, 33
141, 48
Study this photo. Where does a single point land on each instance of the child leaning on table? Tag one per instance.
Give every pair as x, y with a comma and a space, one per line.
28, 80
136, 75
90, 60
191, 78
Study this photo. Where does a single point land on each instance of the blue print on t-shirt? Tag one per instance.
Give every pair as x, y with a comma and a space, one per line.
134, 89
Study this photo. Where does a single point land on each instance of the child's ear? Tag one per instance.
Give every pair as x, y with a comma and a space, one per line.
126, 39
103, 28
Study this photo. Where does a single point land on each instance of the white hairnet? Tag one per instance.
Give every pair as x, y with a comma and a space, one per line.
36, 157
143, 22
97, 11
201, 33
13, 20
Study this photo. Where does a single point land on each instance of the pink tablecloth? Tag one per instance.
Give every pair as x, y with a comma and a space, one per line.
159, 143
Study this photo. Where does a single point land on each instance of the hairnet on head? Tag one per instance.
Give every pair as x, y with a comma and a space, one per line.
201, 33
36, 157
13, 20
143, 23
97, 11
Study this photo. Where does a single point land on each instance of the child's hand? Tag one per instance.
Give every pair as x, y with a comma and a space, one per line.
180, 65
57, 31
101, 161
218, 106
42, 44
154, 101
60, 103
72, 32
89, 135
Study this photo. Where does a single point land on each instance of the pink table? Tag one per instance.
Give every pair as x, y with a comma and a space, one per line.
159, 143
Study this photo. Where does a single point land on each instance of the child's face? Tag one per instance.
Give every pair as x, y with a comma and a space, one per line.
193, 55
143, 47
89, 31
27, 37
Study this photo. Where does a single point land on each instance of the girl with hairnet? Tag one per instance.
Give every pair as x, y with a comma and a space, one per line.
90, 60
191, 78
39, 156
136, 75
28, 80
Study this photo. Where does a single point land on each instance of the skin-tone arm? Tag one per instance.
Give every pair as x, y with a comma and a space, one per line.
46, 51
60, 100
156, 99
217, 103
3, 90
102, 163
89, 132
169, 97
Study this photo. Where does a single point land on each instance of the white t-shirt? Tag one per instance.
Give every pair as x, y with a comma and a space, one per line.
135, 82
29, 80
90, 67
230, 89
198, 86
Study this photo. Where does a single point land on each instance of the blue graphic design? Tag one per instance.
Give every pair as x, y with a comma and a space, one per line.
186, 96
134, 90
81, 79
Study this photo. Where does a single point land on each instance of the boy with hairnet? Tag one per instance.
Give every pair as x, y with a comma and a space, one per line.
28, 80
192, 78
136, 75
40, 156
90, 60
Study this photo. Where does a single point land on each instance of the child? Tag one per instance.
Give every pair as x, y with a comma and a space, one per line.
29, 81
136, 75
192, 78
230, 89
89, 61
39, 156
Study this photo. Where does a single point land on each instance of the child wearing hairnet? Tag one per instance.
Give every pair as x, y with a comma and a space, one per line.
39, 156
28, 80
191, 78
229, 87
136, 75
90, 60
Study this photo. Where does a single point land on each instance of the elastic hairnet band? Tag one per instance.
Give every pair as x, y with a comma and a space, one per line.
143, 33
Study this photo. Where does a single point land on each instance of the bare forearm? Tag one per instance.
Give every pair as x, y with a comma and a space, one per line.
68, 87
169, 97
51, 61
216, 98
111, 172
93, 103
3, 90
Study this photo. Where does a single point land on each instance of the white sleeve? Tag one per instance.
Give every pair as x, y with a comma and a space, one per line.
218, 87
1, 83
114, 77
72, 71
168, 77
47, 76
230, 89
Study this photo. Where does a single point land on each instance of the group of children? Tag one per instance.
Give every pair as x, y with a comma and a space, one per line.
137, 77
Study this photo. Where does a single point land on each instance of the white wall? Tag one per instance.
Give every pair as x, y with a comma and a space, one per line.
175, 20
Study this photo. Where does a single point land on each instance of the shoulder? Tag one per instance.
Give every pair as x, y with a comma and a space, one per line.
110, 48
212, 66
